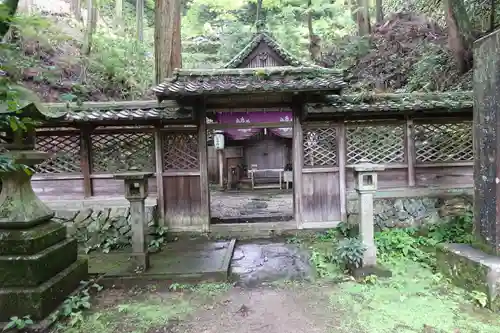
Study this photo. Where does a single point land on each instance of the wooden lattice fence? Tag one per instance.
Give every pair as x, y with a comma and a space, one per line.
180, 151
381, 144
65, 153
320, 146
121, 152
447, 142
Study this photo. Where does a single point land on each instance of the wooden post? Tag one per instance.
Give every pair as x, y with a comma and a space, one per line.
203, 156
159, 175
298, 162
220, 156
410, 152
342, 170
86, 160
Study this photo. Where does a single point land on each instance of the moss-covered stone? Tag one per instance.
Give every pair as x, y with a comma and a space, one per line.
32, 270
40, 301
31, 241
472, 270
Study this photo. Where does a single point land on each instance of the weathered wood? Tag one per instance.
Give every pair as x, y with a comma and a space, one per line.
282, 124
410, 152
342, 170
320, 197
159, 175
86, 161
444, 176
319, 169
183, 203
203, 162
220, 158
59, 188
110, 187
298, 162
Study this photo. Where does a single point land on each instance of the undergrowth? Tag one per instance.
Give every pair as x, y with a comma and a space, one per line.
339, 248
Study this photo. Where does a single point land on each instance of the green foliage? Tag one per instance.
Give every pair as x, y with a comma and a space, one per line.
159, 238
401, 243
72, 308
17, 323
349, 251
458, 230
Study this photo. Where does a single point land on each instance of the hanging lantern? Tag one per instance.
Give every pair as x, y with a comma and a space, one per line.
219, 140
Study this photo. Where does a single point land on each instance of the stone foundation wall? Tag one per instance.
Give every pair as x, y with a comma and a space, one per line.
412, 212
102, 228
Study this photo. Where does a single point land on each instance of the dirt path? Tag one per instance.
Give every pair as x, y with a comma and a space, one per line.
290, 309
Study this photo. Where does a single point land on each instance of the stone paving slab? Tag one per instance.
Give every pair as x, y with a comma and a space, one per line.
263, 261
178, 262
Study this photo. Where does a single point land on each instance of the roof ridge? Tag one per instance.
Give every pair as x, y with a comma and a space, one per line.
268, 38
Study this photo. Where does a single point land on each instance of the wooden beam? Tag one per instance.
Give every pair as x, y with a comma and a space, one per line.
410, 152
159, 176
203, 158
342, 161
86, 161
282, 124
298, 163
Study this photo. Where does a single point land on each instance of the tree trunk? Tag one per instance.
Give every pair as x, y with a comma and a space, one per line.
460, 37
118, 10
139, 8
379, 11
492, 15
76, 9
91, 26
167, 38
314, 40
363, 18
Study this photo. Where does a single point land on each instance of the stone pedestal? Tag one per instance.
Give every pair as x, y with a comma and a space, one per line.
366, 186
486, 135
38, 264
136, 191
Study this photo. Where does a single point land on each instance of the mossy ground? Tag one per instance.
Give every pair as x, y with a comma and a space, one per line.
414, 300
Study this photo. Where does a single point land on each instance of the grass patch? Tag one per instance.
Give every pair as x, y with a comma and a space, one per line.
413, 300
147, 311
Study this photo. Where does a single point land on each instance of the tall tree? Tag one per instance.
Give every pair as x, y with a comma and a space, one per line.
314, 40
363, 17
167, 38
139, 9
118, 10
76, 9
91, 26
460, 36
379, 11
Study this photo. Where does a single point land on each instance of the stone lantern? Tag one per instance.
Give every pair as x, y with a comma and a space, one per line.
365, 175
39, 267
136, 192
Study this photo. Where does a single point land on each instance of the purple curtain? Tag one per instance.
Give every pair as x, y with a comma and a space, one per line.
255, 117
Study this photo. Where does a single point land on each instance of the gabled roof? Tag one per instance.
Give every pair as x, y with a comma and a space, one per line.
265, 37
284, 79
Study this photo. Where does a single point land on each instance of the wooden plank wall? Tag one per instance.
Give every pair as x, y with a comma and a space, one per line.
417, 153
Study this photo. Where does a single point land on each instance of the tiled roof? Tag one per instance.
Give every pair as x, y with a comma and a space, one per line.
272, 44
247, 80
394, 102
135, 110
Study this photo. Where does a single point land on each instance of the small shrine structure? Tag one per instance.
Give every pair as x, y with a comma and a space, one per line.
319, 133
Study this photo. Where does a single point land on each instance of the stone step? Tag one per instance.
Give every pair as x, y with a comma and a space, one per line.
41, 301
32, 270
31, 241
